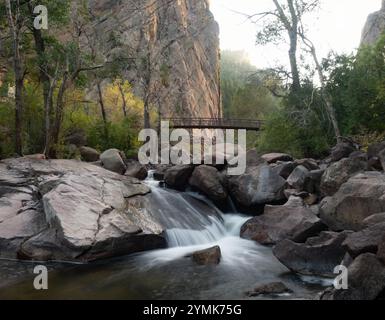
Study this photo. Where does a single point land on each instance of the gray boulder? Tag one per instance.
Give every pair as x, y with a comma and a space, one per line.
209, 181
136, 170
340, 172
298, 178
360, 197
381, 250
366, 240
381, 157
177, 177
112, 160
366, 280
317, 256
284, 169
275, 157
258, 187
375, 149
291, 221
374, 219
211, 256
89, 154
342, 150
309, 164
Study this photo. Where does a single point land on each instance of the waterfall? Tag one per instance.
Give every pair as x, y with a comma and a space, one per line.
186, 218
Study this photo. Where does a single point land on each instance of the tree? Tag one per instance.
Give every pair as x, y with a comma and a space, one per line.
16, 24
58, 16
325, 95
356, 84
287, 17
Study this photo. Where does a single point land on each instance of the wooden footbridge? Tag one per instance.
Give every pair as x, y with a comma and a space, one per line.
215, 123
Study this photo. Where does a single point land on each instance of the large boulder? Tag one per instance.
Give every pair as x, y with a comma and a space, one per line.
211, 256
258, 187
317, 256
275, 157
298, 178
360, 197
71, 211
366, 240
374, 219
366, 280
381, 157
284, 169
290, 221
309, 164
136, 170
177, 177
160, 172
375, 149
112, 160
381, 250
209, 181
342, 150
89, 154
340, 172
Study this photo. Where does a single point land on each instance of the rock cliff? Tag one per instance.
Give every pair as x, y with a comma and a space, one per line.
375, 27
169, 51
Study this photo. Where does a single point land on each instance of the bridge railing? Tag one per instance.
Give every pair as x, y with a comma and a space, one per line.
222, 123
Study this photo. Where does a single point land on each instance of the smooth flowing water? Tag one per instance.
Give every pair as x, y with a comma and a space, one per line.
170, 273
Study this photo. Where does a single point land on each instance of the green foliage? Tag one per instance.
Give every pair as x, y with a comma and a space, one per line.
122, 135
282, 133
357, 86
6, 127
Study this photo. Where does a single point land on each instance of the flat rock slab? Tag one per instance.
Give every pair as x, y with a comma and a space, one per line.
71, 210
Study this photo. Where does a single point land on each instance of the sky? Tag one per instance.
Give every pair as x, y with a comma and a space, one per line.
336, 26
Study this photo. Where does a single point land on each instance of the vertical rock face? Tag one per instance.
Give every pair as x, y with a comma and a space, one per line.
375, 27
169, 50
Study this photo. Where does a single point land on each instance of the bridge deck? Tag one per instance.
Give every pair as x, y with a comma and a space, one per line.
218, 123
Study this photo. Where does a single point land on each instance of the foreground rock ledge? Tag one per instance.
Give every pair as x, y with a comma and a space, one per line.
72, 211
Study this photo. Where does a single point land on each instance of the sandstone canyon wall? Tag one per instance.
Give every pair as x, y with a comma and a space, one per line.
170, 51
375, 27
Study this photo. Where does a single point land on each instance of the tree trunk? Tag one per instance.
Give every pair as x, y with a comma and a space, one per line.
328, 101
103, 109
19, 76
293, 35
146, 114
124, 100
326, 97
45, 80
293, 61
52, 152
